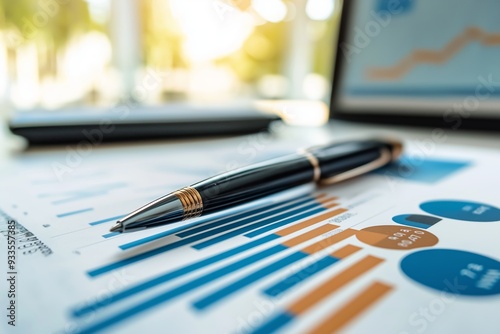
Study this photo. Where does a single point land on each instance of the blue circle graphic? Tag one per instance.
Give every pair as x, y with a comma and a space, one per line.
454, 271
461, 210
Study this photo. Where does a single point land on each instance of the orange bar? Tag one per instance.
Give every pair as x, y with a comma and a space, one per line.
323, 200
310, 222
309, 235
345, 251
352, 309
332, 205
333, 284
327, 201
323, 195
328, 205
327, 242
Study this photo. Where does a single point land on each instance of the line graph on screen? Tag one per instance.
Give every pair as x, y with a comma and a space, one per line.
434, 57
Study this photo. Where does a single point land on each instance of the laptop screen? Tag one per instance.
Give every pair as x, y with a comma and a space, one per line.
420, 57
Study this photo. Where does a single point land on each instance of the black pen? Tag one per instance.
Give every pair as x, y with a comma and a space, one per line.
323, 164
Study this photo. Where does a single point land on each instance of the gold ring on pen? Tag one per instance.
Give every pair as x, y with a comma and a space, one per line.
314, 162
191, 200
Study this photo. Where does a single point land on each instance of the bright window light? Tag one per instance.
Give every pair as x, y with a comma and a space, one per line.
320, 10
271, 10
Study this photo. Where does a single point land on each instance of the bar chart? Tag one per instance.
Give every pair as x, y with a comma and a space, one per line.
295, 231
302, 305
311, 260
221, 256
269, 244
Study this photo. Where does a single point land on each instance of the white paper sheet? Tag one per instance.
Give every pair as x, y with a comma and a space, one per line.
411, 249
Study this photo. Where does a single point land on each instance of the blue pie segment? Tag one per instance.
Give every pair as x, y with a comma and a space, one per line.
462, 210
454, 271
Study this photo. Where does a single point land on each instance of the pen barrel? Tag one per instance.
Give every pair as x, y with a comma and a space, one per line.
325, 164
254, 181
346, 160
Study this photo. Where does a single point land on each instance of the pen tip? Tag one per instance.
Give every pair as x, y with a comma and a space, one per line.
118, 227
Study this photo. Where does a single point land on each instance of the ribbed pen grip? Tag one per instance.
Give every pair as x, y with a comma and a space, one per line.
191, 202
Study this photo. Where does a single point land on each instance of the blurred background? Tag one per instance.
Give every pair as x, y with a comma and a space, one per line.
62, 53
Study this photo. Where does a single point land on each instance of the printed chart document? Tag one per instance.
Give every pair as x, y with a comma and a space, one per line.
411, 248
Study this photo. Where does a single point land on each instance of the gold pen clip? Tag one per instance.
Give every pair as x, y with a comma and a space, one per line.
314, 163
385, 158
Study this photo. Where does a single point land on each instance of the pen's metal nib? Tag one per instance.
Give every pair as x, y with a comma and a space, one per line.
165, 210
118, 227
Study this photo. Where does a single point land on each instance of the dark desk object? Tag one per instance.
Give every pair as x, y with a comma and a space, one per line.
144, 122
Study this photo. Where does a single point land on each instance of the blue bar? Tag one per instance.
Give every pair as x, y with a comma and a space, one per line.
204, 225
102, 221
168, 276
242, 215
274, 324
283, 222
250, 227
429, 171
66, 214
77, 195
142, 256
130, 260
225, 220
162, 235
212, 232
259, 220
300, 276
173, 245
241, 283
137, 258
180, 290
109, 235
